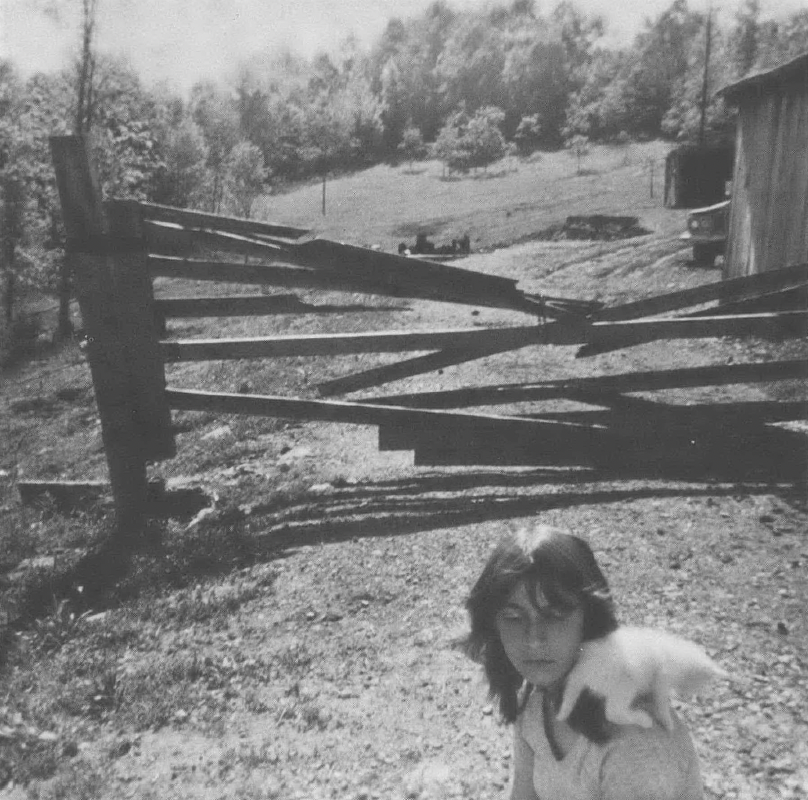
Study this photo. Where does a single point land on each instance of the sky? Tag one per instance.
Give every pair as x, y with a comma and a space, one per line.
183, 41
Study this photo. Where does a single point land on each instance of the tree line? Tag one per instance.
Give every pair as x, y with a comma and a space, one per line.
463, 86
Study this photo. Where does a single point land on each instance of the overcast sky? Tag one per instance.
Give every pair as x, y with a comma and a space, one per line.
182, 41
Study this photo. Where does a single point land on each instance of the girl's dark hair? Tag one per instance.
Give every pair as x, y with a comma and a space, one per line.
564, 568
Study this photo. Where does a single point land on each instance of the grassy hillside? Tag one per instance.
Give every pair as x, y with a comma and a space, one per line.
385, 205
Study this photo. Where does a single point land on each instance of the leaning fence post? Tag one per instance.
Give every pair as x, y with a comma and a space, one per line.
139, 328
91, 257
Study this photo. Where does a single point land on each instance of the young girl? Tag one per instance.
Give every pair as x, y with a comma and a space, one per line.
539, 597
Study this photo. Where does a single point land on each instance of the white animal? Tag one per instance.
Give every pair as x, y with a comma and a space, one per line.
632, 662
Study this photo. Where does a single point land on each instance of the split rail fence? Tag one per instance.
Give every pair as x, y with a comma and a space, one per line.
117, 249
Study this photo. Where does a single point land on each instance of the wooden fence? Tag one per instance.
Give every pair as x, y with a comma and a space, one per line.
117, 248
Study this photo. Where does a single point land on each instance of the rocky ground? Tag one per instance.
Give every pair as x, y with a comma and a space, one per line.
325, 663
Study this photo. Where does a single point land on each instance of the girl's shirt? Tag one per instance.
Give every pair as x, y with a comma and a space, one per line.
635, 764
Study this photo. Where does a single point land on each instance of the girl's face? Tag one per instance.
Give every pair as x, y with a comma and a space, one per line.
541, 641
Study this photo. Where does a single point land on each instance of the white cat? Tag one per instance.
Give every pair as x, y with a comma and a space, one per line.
631, 662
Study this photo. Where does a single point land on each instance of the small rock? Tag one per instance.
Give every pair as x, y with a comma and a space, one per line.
218, 433
48, 736
488, 710
70, 749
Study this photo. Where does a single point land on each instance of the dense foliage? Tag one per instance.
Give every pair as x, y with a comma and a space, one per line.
468, 86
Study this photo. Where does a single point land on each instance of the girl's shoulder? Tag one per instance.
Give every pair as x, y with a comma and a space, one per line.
650, 763
635, 763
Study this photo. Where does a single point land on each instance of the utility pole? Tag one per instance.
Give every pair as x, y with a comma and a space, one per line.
705, 79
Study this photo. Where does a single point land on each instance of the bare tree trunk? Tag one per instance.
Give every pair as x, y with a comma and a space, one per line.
10, 279
706, 76
85, 100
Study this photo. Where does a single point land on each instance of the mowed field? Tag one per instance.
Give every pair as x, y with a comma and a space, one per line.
511, 200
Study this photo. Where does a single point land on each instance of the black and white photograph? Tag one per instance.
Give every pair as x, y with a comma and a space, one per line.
403, 400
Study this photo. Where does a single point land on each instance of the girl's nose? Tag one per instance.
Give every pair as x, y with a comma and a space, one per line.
537, 630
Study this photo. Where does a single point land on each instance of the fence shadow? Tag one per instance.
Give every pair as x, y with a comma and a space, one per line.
758, 464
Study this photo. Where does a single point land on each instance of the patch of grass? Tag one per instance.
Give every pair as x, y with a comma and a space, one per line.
79, 780
202, 604
49, 633
159, 690
296, 660
373, 206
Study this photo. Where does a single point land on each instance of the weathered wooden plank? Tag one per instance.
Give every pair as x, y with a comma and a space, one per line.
763, 190
83, 217
398, 270
216, 222
341, 343
793, 299
139, 331
773, 237
796, 210
400, 276
736, 257
254, 304
787, 324
367, 414
643, 420
758, 372
302, 277
165, 237
387, 373
656, 415
724, 291
621, 334
237, 272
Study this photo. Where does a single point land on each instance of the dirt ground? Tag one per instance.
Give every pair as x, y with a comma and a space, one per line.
335, 672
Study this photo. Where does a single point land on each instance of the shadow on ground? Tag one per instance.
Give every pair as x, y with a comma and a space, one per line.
770, 461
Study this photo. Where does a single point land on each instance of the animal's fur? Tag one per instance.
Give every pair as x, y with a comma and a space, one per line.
633, 662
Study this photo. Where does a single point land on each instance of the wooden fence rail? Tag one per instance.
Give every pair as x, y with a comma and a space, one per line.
622, 334
118, 248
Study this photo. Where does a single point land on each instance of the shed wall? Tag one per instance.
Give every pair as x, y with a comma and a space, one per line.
768, 226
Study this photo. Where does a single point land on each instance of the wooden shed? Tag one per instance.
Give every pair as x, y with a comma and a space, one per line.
697, 174
768, 224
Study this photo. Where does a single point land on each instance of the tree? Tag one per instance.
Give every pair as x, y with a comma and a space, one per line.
412, 145
578, 146
217, 118
245, 175
483, 137
30, 112
181, 179
528, 133
470, 68
745, 37
85, 69
658, 65
468, 142
448, 146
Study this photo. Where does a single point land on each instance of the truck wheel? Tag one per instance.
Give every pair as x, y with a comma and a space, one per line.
704, 255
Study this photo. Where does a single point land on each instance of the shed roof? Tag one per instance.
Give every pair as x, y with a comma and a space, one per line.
791, 73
